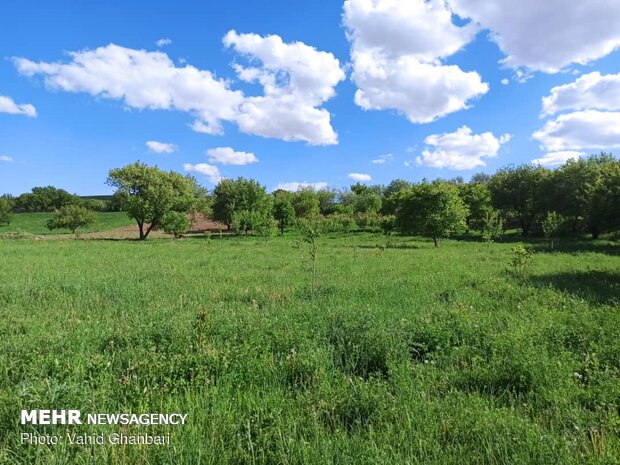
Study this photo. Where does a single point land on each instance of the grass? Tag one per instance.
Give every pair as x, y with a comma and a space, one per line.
405, 354
36, 223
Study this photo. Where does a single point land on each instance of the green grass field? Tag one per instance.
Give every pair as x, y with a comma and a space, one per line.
36, 223
405, 355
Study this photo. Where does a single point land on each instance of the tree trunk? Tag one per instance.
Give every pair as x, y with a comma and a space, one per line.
436, 241
595, 230
141, 228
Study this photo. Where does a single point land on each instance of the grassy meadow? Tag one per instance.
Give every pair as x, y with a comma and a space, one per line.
36, 223
406, 354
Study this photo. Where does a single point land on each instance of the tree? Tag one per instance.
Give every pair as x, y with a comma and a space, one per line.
519, 192
71, 217
388, 200
283, 212
231, 197
146, 193
306, 203
175, 223
550, 225
327, 201
431, 209
6, 210
45, 199
311, 228
477, 197
492, 226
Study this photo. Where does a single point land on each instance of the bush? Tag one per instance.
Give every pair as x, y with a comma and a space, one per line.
176, 223
492, 226
521, 257
71, 217
6, 209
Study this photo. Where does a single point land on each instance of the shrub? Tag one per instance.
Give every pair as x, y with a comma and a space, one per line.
175, 223
71, 217
550, 226
492, 226
521, 258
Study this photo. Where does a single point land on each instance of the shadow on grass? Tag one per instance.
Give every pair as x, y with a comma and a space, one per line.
574, 245
599, 287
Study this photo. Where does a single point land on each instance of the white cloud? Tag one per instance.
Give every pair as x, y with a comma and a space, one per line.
360, 177
141, 79
553, 159
228, 156
160, 147
163, 42
6, 158
296, 78
461, 150
505, 81
547, 35
408, 163
589, 92
297, 186
382, 159
8, 105
396, 53
590, 129
210, 171
412, 149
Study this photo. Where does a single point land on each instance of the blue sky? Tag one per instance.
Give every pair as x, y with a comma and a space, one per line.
82, 128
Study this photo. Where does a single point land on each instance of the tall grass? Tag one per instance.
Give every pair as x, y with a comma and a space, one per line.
404, 354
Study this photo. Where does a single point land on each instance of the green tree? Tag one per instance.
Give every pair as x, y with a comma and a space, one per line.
311, 229
71, 217
477, 197
519, 191
44, 199
6, 210
306, 203
431, 209
283, 212
550, 226
327, 201
147, 193
388, 201
492, 227
175, 223
231, 197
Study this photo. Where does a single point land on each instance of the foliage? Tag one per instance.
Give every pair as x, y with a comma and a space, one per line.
258, 221
520, 191
283, 212
6, 210
311, 228
551, 224
521, 257
306, 203
431, 209
45, 199
71, 217
231, 197
147, 194
492, 226
175, 223
388, 223
477, 198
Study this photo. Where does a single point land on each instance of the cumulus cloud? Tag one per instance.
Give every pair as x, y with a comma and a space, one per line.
553, 159
505, 81
382, 159
297, 186
589, 92
228, 156
589, 129
163, 42
211, 172
160, 147
6, 158
546, 35
142, 80
296, 78
360, 177
8, 105
396, 52
460, 150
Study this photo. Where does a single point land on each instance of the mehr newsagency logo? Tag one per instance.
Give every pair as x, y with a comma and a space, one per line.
75, 417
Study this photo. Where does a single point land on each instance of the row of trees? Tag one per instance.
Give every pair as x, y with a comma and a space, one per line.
582, 195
